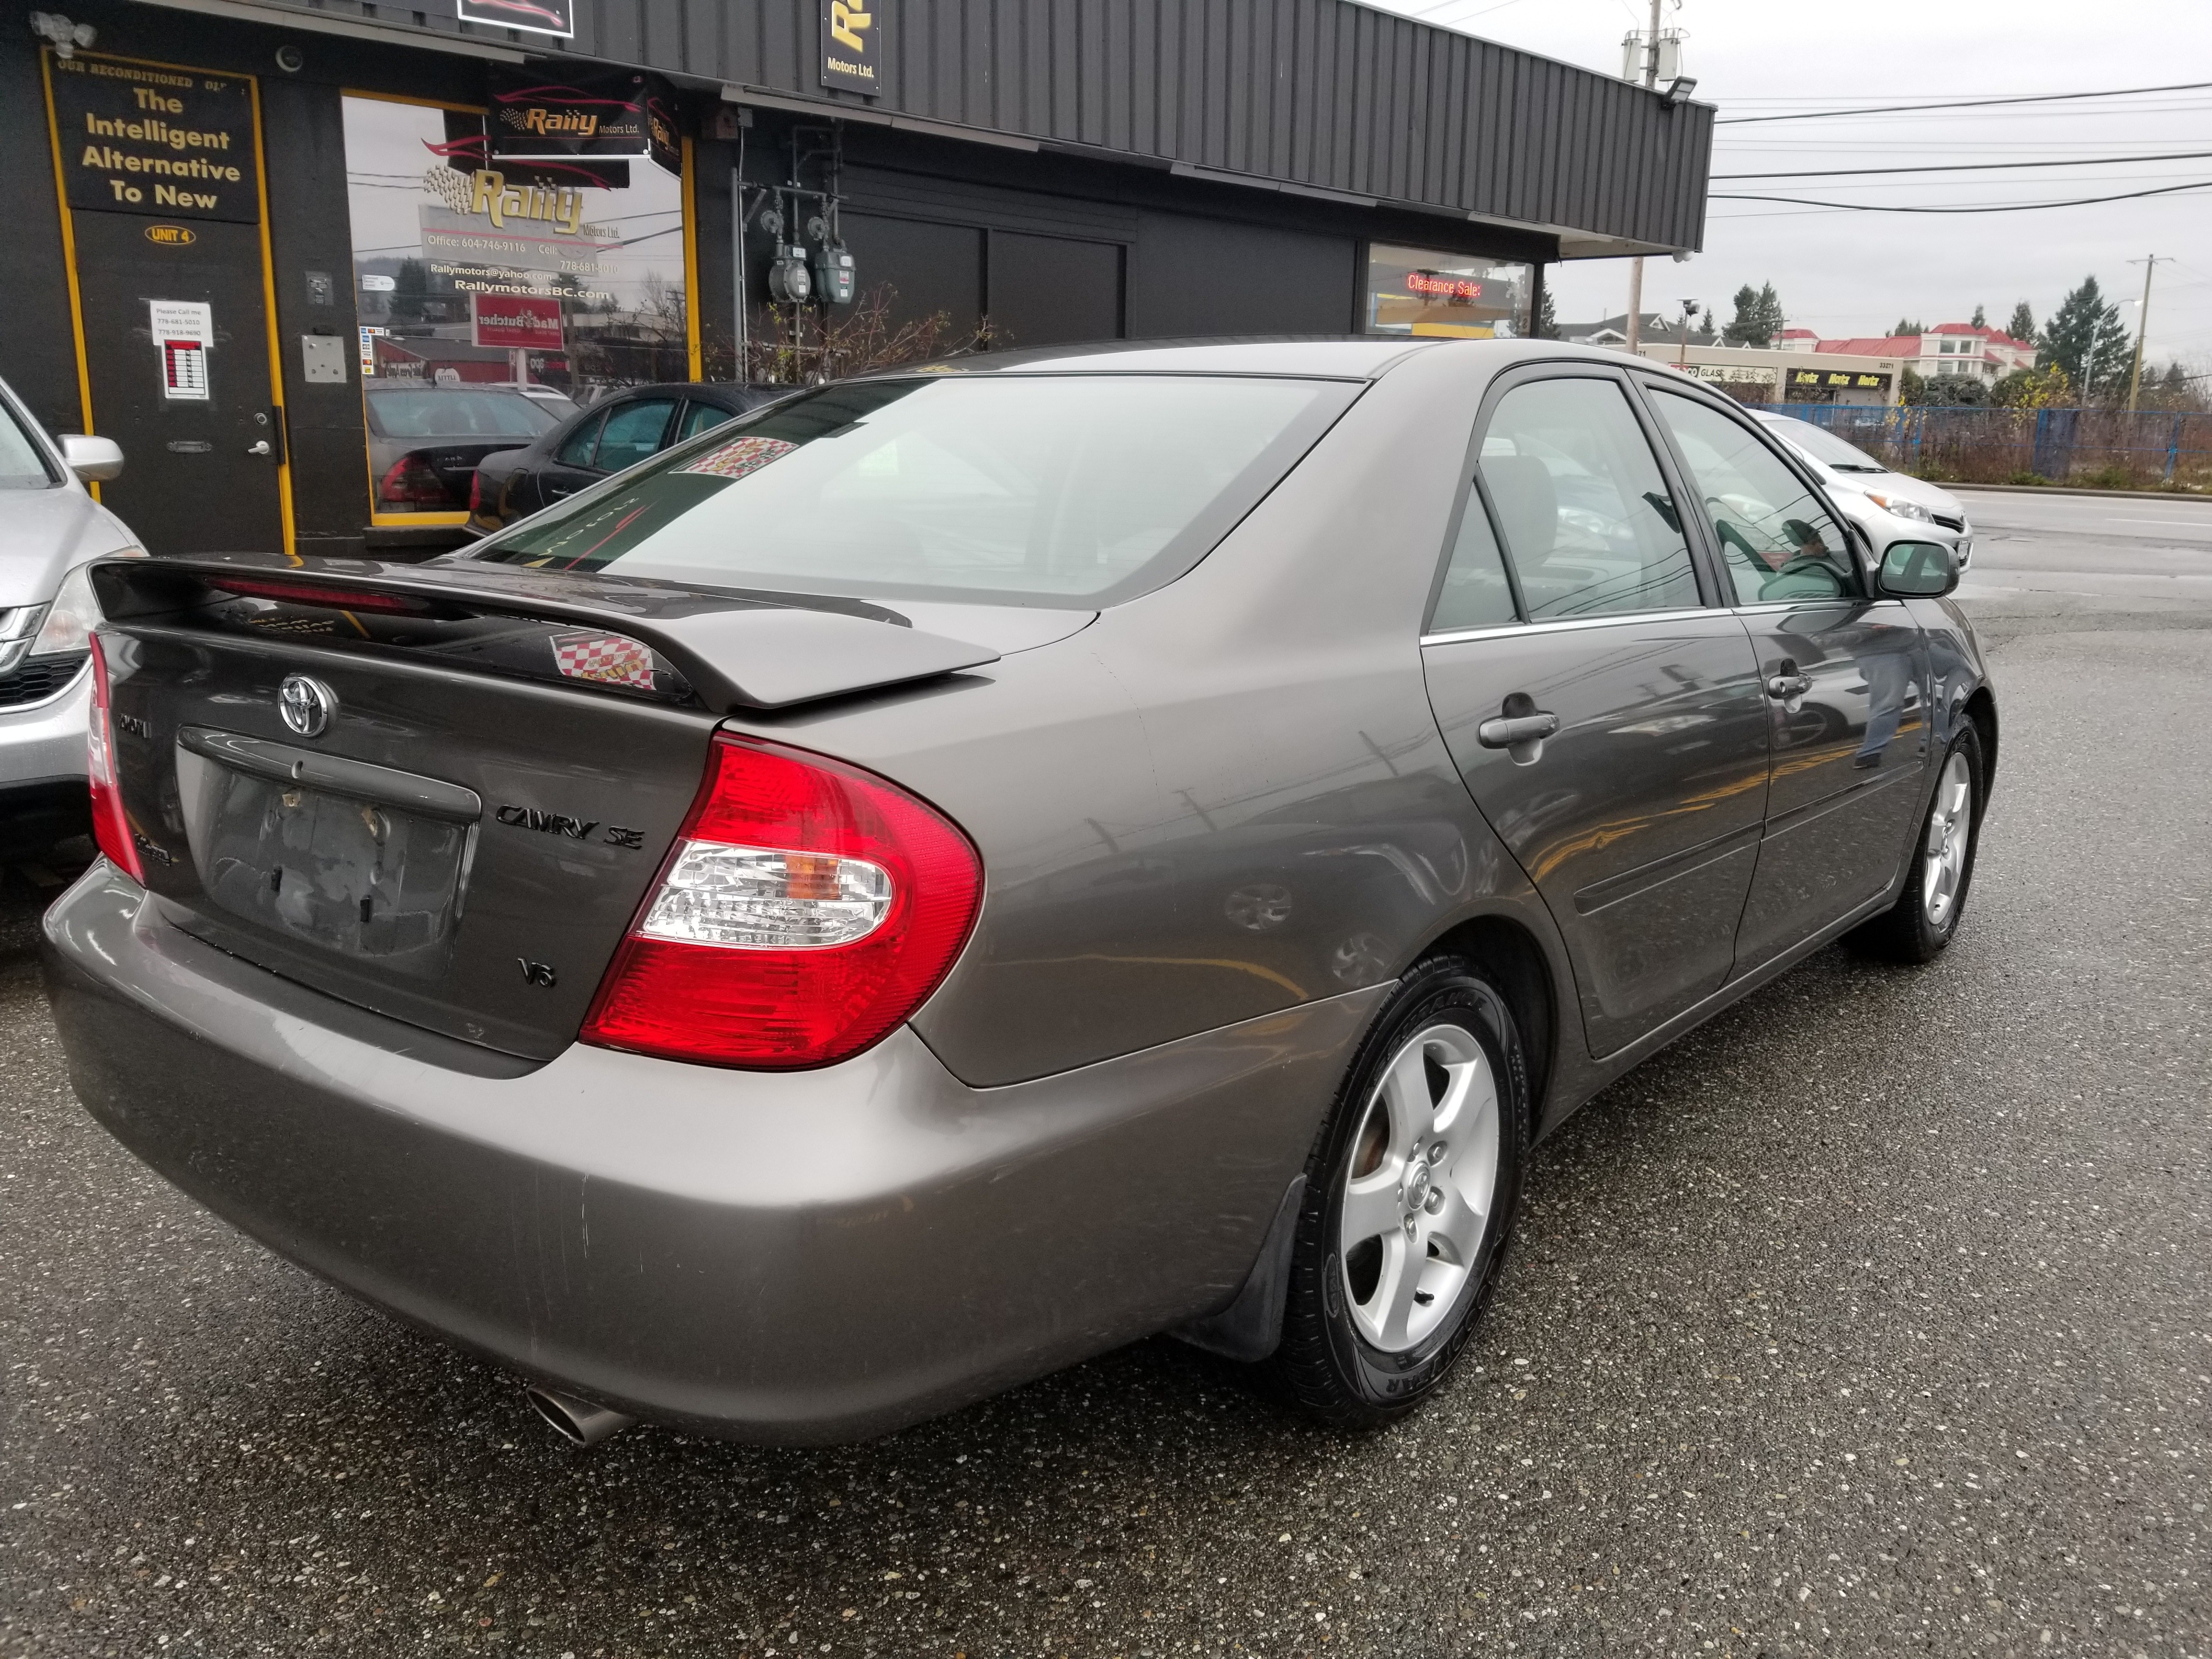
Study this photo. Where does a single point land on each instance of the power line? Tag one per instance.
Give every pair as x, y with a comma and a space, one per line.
1967, 103
1995, 207
1976, 166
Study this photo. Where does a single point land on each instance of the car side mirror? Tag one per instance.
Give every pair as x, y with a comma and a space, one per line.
1917, 570
95, 460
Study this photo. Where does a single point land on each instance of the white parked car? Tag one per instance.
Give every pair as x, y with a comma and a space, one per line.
1888, 506
49, 528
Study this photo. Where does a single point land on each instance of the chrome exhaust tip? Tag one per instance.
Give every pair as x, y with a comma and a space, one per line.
578, 1422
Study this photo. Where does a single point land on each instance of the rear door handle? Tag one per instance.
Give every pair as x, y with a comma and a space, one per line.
1504, 732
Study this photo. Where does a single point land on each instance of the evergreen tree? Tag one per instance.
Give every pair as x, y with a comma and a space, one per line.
2084, 322
1907, 327
1547, 320
1758, 317
1981, 318
2022, 325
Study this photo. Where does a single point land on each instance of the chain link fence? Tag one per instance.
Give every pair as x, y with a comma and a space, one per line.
2107, 448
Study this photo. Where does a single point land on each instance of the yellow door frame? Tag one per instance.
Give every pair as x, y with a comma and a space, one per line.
268, 266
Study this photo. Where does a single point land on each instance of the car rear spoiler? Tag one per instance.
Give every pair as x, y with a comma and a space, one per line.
736, 650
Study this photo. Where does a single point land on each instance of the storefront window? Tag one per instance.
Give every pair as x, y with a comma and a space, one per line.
1415, 290
556, 281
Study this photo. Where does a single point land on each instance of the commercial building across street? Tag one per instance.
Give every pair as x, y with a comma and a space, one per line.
263, 223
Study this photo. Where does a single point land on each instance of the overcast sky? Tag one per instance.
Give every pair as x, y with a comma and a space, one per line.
1842, 273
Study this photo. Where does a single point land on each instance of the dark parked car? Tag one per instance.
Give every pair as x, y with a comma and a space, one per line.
967, 868
612, 433
425, 442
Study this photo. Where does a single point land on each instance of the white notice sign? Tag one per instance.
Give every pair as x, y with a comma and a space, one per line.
182, 330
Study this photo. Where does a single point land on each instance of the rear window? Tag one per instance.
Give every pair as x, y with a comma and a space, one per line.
22, 464
441, 414
1013, 489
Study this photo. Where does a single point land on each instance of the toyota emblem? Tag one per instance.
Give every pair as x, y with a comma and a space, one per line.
306, 705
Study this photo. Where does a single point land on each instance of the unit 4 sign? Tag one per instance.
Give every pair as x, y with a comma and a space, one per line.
143, 138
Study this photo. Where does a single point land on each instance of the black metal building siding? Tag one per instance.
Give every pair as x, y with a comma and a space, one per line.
1321, 93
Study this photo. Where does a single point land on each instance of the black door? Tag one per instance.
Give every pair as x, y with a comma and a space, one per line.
171, 287
1608, 723
569, 469
1845, 676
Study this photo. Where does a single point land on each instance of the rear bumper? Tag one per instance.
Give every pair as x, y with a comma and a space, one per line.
803, 1257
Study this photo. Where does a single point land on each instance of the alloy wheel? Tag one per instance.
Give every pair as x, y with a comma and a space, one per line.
1950, 824
1420, 1188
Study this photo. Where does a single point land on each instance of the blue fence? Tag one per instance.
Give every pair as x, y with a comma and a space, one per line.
1988, 446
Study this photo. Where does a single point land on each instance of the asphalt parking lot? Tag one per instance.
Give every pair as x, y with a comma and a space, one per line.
1876, 1318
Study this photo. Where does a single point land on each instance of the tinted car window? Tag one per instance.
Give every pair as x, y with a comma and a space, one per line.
1777, 540
1475, 593
22, 464
1015, 488
1583, 506
701, 417
438, 412
576, 448
633, 433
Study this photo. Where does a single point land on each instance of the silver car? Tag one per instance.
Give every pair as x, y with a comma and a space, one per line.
50, 529
964, 868
1882, 502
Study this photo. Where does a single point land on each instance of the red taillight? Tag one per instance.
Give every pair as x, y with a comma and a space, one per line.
412, 483
806, 908
476, 492
111, 824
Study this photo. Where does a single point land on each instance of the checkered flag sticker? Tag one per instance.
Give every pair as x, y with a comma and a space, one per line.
740, 456
608, 658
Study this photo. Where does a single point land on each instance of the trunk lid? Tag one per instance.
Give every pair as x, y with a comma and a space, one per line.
442, 794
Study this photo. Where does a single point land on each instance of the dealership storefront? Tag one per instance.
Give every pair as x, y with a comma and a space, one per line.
264, 223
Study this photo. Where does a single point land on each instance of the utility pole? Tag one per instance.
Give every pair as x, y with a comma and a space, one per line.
2142, 325
1636, 271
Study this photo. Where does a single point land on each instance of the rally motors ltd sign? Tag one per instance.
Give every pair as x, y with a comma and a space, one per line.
141, 138
533, 120
851, 45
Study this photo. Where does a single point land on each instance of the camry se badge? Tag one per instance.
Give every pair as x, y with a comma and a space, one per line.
306, 705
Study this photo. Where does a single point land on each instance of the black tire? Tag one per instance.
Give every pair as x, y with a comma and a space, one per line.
1325, 1364
1906, 932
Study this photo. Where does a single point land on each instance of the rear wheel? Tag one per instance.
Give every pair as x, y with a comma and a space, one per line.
1409, 1199
1925, 917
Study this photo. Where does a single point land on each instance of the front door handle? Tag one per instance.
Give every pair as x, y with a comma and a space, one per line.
1786, 682
1503, 733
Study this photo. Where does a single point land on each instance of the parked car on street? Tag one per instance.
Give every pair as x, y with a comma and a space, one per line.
612, 433
1887, 504
966, 867
50, 529
425, 442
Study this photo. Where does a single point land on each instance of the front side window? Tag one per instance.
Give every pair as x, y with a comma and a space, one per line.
576, 448
632, 433
1013, 489
1587, 518
1777, 540
1423, 291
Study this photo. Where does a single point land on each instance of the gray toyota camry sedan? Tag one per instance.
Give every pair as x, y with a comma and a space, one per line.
974, 865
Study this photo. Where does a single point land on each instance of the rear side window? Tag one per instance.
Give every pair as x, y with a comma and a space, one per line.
701, 417
22, 466
1476, 593
1585, 510
1017, 488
